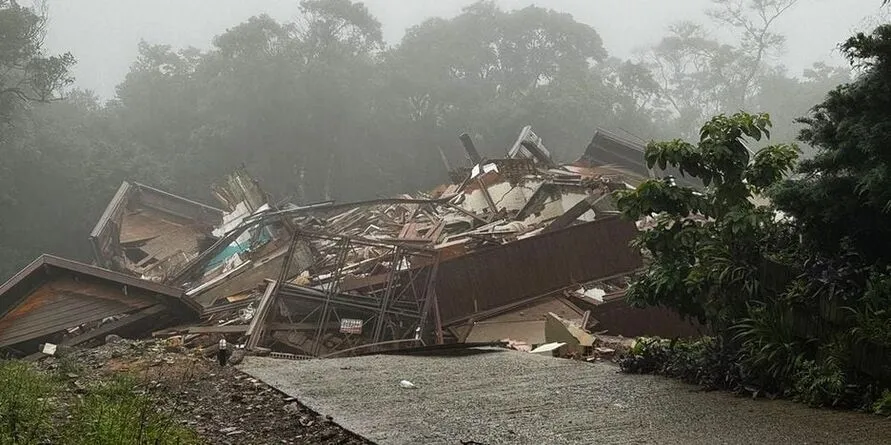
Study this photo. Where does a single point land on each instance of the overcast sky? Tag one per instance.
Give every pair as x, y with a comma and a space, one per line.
103, 34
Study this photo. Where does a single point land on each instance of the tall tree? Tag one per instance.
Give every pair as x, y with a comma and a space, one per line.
489, 72
698, 76
292, 101
331, 26
701, 76
851, 133
26, 73
754, 21
790, 97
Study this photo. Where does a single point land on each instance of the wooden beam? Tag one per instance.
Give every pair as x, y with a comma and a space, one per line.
227, 329
115, 325
485, 190
255, 328
239, 328
579, 209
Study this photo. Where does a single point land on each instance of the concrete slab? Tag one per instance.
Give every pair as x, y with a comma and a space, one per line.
508, 397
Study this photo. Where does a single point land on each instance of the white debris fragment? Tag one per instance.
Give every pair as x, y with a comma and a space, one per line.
49, 349
406, 384
548, 347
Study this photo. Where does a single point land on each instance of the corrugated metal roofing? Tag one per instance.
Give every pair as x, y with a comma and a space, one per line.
488, 279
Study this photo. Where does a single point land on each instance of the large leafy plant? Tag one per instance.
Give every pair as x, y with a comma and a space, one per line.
711, 249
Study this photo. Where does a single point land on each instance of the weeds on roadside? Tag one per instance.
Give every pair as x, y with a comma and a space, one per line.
112, 412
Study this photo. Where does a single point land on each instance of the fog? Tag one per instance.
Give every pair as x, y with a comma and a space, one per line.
444, 171
103, 34
342, 100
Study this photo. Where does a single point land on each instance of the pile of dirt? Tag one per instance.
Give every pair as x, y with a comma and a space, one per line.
223, 405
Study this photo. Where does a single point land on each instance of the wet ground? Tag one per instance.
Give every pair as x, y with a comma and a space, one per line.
508, 397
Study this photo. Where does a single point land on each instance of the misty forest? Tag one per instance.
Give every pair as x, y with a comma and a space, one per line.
321, 108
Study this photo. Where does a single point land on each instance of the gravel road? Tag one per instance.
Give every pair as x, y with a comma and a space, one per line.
508, 397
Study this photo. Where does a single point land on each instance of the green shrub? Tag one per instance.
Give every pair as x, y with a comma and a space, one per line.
648, 356
769, 348
711, 364
25, 407
883, 404
702, 362
819, 384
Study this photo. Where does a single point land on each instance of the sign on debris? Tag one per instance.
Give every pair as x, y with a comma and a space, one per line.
351, 326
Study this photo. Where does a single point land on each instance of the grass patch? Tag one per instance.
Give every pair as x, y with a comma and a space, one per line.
117, 412
35, 408
25, 407
67, 366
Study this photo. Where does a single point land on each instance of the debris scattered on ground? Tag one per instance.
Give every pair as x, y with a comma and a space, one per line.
221, 404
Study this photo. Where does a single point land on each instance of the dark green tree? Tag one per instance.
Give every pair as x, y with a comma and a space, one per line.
841, 199
490, 72
840, 203
798, 299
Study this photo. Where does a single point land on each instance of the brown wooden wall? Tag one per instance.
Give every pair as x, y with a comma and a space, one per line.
64, 303
617, 317
492, 278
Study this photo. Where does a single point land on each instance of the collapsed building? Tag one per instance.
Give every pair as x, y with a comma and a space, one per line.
509, 246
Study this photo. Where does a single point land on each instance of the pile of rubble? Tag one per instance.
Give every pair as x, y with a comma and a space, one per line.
509, 246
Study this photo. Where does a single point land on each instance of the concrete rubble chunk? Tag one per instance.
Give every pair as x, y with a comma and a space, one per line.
112, 338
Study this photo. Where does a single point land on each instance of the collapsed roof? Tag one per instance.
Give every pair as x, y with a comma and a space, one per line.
145, 231
608, 149
54, 294
329, 278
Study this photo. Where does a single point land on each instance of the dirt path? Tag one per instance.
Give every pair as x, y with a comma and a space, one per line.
508, 397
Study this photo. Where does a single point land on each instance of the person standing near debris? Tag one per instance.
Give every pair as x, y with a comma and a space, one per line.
223, 352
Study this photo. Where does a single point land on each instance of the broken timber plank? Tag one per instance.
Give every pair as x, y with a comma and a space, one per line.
234, 329
575, 212
256, 326
108, 328
487, 196
227, 329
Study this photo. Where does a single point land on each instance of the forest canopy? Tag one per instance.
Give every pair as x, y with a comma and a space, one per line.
322, 108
